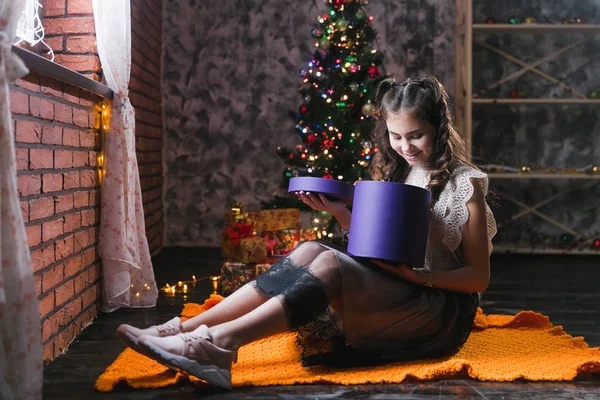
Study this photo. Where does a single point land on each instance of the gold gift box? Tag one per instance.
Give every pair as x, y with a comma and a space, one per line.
249, 250
275, 220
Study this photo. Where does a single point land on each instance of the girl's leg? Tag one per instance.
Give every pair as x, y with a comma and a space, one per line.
301, 303
208, 353
242, 301
247, 298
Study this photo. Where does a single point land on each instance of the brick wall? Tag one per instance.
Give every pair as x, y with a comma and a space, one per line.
69, 30
144, 86
56, 148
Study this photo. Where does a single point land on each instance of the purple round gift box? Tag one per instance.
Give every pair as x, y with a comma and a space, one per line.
340, 190
390, 221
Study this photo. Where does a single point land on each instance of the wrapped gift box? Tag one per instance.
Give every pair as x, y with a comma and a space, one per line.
234, 275
275, 220
247, 250
280, 243
249, 237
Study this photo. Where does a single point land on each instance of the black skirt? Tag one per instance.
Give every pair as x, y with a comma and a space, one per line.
379, 317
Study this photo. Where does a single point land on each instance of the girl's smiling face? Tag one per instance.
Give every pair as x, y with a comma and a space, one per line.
411, 138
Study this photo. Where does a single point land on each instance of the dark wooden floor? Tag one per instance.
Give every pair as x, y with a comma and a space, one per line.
562, 287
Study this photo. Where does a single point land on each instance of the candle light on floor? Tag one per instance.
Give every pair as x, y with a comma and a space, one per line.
215, 283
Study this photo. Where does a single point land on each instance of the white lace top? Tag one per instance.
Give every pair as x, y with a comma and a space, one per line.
444, 250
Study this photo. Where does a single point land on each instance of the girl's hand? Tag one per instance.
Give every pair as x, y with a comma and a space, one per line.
404, 272
320, 203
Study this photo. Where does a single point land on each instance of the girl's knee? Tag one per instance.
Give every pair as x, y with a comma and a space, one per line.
326, 260
306, 252
310, 246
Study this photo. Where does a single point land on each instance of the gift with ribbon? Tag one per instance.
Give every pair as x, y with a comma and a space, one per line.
239, 243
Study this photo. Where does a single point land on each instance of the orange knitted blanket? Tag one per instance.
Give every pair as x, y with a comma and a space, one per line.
500, 348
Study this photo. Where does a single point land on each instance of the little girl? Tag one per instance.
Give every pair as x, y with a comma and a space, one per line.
349, 310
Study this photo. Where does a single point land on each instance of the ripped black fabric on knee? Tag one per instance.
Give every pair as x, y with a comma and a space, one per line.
279, 277
304, 296
304, 300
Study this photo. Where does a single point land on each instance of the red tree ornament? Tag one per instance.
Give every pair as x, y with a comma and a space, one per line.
310, 139
373, 71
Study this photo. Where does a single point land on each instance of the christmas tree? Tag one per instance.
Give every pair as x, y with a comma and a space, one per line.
335, 118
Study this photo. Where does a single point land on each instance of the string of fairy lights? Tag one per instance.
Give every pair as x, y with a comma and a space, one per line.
184, 287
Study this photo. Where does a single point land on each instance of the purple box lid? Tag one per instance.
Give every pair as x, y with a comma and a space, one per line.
390, 221
333, 189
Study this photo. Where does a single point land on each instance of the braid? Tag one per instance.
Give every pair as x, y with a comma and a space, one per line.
442, 157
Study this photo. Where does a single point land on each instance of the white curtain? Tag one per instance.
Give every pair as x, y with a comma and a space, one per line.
127, 274
21, 364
